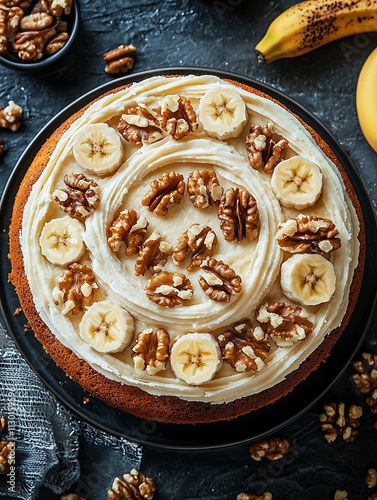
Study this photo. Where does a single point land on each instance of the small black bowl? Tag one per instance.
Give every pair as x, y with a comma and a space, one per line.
47, 63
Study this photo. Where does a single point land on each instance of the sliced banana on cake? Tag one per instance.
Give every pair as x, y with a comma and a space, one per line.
222, 112
195, 358
308, 279
61, 240
107, 327
297, 182
98, 149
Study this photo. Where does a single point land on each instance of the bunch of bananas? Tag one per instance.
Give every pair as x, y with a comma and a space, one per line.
313, 23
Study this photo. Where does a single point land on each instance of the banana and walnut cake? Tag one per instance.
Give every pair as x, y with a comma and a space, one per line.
186, 248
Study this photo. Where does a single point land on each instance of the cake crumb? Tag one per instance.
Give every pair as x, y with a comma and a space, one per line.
17, 311
86, 401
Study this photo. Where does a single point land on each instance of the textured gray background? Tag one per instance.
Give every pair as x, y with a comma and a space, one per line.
219, 34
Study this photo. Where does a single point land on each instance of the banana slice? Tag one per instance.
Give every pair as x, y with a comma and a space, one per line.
308, 279
222, 112
195, 358
61, 240
297, 182
107, 327
98, 149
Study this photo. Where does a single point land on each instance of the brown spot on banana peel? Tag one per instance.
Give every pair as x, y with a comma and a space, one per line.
313, 23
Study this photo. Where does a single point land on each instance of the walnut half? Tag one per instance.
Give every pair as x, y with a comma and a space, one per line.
262, 150
134, 485
200, 241
238, 214
204, 188
127, 228
308, 233
151, 351
169, 289
178, 117
220, 281
152, 255
167, 189
244, 347
286, 324
80, 196
75, 289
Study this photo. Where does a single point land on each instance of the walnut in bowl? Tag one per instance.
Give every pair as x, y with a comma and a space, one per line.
36, 34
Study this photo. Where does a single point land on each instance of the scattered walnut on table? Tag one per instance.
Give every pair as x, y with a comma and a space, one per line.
132, 486
6, 455
79, 198
204, 188
272, 448
152, 255
366, 379
238, 214
127, 228
308, 233
244, 347
165, 190
371, 478
178, 117
200, 241
220, 281
340, 420
120, 59
251, 496
340, 495
10, 116
75, 289
169, 289
151, 351
285, 324
262, 150
138, 125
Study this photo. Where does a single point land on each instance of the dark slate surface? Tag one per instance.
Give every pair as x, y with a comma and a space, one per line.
219, 34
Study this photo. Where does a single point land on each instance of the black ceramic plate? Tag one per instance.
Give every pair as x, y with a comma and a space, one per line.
244, 429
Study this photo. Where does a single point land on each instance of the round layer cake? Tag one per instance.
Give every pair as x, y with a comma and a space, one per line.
186, 249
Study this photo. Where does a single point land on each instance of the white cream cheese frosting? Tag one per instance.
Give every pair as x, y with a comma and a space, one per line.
257, 262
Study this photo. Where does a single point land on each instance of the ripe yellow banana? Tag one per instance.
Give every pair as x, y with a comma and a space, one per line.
310, 24
366, 99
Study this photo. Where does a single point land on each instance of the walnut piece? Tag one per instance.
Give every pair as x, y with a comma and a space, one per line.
262, 150
151, 351
169, 289
340, 420
75, 289
340, 495
120, 59
138, 125
79, 198
308, 233
238, 214
7, 452
200, 240
178, 117
132, 486
36, 21
167, 189
366, 379
56, 43
127, 228
371, 478
272, 448
152, 255
204, 188
285, 324
251, 496
244, 347
10, 116
3, 31
60, 7
220, 281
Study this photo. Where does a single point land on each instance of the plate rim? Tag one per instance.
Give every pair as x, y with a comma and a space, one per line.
324, 132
